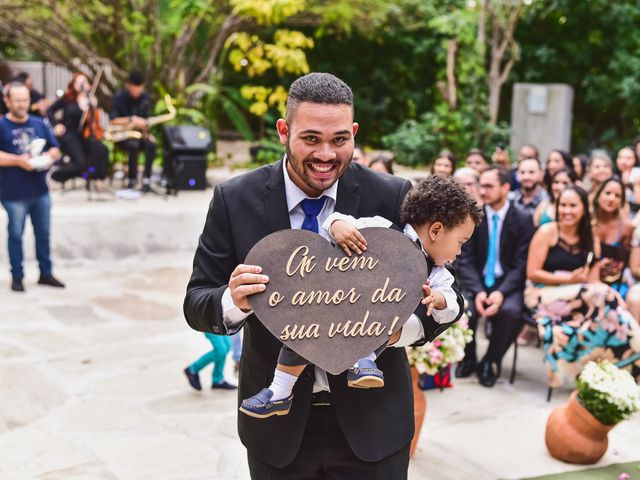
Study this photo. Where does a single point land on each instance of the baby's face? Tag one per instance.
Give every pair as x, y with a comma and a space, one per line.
447, 244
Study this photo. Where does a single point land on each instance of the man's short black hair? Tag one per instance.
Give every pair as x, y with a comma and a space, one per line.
21, 77
322, 88
439, 199
136, 77
504, 175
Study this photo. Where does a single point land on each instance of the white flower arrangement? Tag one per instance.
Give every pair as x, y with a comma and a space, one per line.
447, 348
608, 392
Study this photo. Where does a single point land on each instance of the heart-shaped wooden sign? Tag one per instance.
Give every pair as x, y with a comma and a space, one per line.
330, 308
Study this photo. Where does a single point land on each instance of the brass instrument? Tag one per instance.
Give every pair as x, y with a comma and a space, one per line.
119, 133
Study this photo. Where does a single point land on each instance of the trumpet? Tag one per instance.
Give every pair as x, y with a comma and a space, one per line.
119, 133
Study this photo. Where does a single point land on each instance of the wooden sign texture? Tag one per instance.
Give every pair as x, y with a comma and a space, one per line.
330, 308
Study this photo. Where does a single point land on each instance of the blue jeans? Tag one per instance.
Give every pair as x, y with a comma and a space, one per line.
39, 209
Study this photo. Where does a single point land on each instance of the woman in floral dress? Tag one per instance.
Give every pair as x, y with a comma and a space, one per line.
578, 317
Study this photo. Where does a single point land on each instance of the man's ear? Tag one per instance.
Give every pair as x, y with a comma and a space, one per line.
435, 230
355, 129
283, 130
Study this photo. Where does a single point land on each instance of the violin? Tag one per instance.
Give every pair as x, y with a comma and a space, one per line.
90, 122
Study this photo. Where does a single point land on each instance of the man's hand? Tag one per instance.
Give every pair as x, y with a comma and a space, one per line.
23, 162
246, 280
494, 302
481, 299
139, 122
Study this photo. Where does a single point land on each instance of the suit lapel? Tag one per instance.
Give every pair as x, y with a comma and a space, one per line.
275, 199
504, 233
348, 197
483, 234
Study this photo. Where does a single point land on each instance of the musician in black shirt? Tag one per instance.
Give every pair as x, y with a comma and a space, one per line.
131, 107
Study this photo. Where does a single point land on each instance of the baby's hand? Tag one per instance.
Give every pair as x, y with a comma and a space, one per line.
427, 297
348, 237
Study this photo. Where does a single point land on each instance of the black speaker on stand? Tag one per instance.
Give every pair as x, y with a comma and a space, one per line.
185, 150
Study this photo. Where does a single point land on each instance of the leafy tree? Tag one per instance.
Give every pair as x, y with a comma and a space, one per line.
592, 46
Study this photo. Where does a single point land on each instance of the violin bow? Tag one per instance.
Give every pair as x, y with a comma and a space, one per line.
92, 92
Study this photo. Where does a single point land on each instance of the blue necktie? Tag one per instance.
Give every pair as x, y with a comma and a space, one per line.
311, 208
490, 275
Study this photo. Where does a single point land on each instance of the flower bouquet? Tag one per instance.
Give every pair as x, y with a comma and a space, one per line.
433, 358
606, 395
609, 393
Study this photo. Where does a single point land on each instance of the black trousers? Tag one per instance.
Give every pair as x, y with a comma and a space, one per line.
133, 147
85, 154
326, 455
507, 324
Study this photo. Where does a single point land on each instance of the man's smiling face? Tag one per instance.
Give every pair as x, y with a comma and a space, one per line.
319, 141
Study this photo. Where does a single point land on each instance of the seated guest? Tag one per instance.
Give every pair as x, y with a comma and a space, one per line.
525, 152
131, 107
359, 156
599, 169
382, 164
477, 160
546, 210
629, 172
613, 231
556, 160
73, 123
468, 178
444, 165
38, 101
491, 270
531, 192
578, 318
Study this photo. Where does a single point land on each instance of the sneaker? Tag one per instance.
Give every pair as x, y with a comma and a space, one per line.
146, 185
223, 386
16, 285
50, 281
366, 375
261, 406
194, 379
131, 184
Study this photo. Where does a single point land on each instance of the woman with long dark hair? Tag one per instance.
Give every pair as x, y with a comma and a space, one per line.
71, 122
613, 231
578, 317
444, 164
546, 211
556, 160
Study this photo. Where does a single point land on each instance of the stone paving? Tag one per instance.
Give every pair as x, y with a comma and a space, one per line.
91, 382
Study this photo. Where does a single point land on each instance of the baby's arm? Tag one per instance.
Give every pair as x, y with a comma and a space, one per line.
433, 298
348, 237
442, 282
348, 227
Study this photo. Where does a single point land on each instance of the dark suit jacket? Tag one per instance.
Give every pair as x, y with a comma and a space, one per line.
515, 236
375, 422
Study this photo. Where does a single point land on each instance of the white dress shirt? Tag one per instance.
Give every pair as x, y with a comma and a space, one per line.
497, 271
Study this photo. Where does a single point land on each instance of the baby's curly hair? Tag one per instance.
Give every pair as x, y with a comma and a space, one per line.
439, 199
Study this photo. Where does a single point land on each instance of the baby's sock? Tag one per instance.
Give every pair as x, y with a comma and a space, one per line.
282, 385
372, 356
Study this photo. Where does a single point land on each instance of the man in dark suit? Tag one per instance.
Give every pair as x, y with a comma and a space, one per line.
491, 271
331, 431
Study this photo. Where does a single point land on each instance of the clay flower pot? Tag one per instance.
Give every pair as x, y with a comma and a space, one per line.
573, 435
419, 408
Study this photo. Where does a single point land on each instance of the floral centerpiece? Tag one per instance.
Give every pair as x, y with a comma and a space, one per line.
444, 350
608, 392
606, 395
